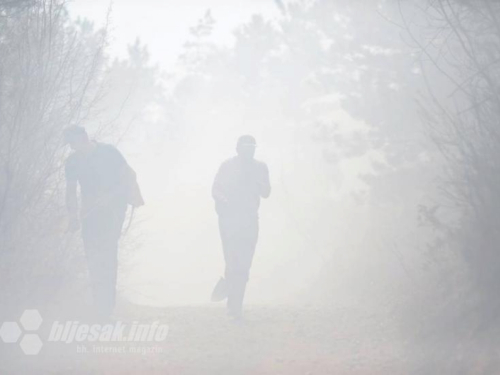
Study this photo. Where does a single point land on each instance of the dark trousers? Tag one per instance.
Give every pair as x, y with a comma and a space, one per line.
101, 230
239, 236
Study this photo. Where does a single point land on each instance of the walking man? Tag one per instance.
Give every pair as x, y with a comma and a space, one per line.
107, 185
239, 185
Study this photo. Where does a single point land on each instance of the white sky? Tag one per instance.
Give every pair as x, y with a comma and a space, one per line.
164, 25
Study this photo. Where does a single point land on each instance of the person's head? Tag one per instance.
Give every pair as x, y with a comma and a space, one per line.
246, 147
76, 137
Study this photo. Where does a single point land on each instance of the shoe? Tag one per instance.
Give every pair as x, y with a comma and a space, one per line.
220, 291
235, 316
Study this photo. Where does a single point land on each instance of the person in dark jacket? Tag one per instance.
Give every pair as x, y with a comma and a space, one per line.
239, 185
107, 185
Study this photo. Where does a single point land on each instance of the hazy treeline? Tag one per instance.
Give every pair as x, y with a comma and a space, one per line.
50, 77
380, 116
54, 72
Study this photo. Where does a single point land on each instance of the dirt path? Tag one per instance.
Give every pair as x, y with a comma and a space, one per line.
202, 340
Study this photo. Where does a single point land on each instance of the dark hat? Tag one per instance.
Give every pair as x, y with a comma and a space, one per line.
246, 140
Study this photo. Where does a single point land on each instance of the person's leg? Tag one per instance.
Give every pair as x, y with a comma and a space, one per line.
92, 241
229, 238
102, 265
244, 245
225, 231
101, 235
110, 256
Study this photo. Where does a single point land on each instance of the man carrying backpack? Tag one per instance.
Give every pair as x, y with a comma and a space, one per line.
107, 185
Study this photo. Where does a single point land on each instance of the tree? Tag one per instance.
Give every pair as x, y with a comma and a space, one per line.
464, 48
458, 44
50, 77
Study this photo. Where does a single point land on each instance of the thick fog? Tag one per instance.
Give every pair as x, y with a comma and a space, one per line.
129, 194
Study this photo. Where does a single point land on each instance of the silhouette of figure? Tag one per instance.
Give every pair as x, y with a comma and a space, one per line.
107, 185
238, 187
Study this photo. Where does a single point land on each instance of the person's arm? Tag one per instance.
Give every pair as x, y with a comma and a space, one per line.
264, 184
71, 198
218, 193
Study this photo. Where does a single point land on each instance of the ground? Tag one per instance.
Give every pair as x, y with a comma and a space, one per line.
203, 340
